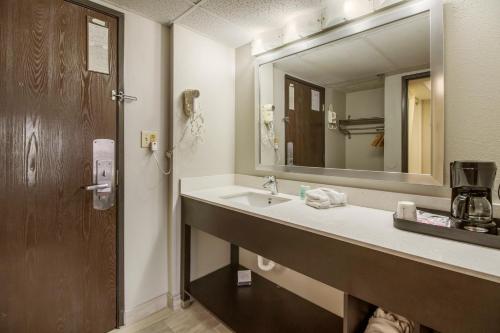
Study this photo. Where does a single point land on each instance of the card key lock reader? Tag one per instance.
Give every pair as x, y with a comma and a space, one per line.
103, 174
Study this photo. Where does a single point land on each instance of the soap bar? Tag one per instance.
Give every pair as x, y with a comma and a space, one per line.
244, 277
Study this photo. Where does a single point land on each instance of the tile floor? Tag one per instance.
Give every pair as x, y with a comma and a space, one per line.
194, 319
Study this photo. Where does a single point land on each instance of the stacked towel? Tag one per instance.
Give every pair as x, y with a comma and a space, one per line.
323, 198
387, 322
317, 198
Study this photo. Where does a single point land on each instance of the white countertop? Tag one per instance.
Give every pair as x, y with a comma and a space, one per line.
372, 228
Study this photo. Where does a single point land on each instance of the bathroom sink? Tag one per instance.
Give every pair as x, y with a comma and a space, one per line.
254, 199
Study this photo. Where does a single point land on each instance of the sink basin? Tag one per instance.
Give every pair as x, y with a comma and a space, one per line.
254, 199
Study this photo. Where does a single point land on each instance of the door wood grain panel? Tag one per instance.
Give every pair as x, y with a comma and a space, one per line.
57, 254
304, 127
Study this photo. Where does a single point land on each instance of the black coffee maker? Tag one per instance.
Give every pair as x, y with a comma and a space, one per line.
471, 203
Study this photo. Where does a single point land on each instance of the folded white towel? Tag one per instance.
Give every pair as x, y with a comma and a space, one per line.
323, 198
322, 204
318, 204
336, 198
317, 195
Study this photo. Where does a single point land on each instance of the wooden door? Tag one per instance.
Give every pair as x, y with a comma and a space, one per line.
304, 127
57, 254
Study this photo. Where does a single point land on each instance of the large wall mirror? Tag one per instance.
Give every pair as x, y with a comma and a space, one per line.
363, 100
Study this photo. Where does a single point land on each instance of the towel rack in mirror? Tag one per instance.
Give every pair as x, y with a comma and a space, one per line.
346, 126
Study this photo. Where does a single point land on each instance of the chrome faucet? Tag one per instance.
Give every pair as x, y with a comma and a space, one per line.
271, 184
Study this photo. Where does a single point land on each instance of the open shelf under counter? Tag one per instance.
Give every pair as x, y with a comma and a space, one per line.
426, 289
261, 307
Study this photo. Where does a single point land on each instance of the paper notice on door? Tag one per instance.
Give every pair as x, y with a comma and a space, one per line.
97, 46
315, 100
291, 97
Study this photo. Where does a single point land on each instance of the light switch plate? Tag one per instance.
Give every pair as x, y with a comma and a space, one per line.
147, 137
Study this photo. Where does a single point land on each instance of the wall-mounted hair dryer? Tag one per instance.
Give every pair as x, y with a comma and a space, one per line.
189, 96
195, 124
267, 114
332, 118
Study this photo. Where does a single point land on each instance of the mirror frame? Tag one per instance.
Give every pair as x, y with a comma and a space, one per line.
378, 18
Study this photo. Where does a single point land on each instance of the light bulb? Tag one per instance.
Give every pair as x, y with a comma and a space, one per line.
356, 8
349, 9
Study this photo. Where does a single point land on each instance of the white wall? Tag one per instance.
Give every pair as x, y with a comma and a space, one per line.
359, 153
146, 59
279, 102
334, 139
414, 135
268, 155
426, 136
245, 106
145, 76
393, 132
472, 73
203, 64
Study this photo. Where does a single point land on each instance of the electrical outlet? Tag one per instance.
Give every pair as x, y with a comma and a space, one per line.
147, 137
153, 137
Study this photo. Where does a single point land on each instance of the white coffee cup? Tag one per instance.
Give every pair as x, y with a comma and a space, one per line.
407, 210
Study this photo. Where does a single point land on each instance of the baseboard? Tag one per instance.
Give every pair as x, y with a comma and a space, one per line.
174, 301
144, 323
145, 309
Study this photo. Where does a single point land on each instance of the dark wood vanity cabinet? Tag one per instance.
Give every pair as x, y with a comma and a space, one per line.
432, 296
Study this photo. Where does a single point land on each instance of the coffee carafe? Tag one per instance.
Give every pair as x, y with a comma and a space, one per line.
471, 204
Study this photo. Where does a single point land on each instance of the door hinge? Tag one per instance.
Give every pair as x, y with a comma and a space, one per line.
120, 96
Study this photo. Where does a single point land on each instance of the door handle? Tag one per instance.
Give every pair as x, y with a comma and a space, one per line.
120, 96
94, 187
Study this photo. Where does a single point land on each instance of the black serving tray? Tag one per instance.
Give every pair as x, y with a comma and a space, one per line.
452, 232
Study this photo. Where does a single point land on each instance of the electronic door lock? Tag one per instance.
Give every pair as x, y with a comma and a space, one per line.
103, 174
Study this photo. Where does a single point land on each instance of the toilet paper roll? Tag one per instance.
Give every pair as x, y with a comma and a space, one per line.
407, 210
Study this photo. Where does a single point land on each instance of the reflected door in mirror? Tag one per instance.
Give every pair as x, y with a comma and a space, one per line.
304, 123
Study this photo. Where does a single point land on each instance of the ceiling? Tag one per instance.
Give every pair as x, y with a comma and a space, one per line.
232, 22
362, 60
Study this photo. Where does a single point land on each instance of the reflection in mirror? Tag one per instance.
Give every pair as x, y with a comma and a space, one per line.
417, 123
362, 102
